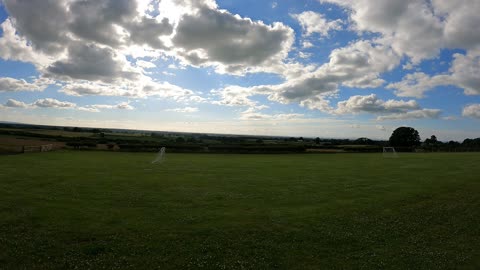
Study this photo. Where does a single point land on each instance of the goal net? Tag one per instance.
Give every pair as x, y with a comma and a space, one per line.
389, 152
160, 156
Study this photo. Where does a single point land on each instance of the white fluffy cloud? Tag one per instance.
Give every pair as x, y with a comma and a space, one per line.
463, 73
141, 89
8, 84
357, 65
313, 22
417, 28
388, 110
472, 110
12, 103
53, 103
16, 48
372, 104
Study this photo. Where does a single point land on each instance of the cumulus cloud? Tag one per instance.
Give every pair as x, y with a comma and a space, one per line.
417, 114
472, 110
12, 103
417, 28
372, 104
357, 65
44, 23
313, 22
144, 88
463, 73
183, 110
233, 44
91, 62
8, 84
16, 48
53, 103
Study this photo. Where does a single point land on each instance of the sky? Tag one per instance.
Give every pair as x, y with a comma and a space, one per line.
311, 68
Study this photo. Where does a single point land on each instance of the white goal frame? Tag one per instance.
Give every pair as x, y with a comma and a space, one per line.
389, 152
160, 156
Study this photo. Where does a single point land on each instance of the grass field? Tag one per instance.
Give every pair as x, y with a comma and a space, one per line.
341, 211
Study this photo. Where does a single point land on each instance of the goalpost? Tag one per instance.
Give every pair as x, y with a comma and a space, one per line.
389, 152
160, 156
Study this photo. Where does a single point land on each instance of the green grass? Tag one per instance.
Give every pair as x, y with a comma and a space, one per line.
346, 211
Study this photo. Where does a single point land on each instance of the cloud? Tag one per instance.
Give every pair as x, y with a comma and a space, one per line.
143, 88
57, 104
12, 103
417, 114
47, 30
463, 73
307, 44
145, 64
415, 84
53, 103
183, 110
356, 65
251, 114
417, 28
313, 22
99, 107
113, 23
8, 84
16, 48
380, 127
234, 96
213, 37
91, 62
88, 109
372, 104
472, 111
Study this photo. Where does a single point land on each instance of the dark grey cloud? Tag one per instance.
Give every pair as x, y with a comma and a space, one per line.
213, 35
90, 62
43, 22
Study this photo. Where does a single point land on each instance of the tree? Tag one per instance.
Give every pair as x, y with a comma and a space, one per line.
404, 136
317, 140
431, 141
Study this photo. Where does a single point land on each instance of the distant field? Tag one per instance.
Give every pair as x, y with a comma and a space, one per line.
305, 211
52, 132
19, 141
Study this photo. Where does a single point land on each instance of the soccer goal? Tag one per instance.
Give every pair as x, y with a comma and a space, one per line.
160, 156
389, 152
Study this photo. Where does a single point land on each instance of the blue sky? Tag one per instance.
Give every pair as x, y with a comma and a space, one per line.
331, 68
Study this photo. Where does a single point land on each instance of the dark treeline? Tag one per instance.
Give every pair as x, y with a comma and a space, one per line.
148, 141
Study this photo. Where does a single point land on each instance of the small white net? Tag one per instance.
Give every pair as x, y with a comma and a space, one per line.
160, 156
389, 152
